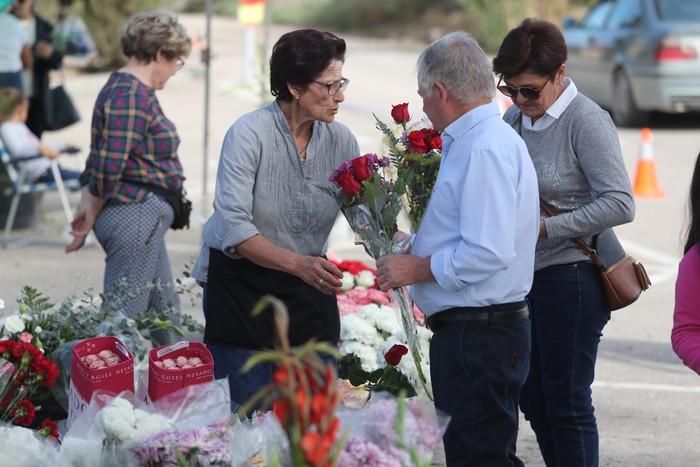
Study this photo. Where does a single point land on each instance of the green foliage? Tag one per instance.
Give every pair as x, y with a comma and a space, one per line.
219, 7
388, 379
491, 19
89, 316
105, 20
357, 14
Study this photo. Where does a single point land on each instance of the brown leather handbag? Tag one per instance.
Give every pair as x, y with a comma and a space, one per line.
624, 279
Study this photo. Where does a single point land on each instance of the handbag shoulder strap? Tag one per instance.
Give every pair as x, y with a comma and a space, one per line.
587, 249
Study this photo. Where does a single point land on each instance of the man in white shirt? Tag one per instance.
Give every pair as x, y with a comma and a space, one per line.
472, 260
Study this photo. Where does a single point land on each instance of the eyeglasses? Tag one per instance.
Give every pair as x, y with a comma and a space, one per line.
528, 92
333, 88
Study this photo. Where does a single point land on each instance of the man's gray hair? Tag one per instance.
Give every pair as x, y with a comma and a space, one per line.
458, 62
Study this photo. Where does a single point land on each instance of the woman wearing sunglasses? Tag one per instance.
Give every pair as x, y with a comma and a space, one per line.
575, 149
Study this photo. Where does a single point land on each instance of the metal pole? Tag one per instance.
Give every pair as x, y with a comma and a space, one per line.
264, 65
206, 59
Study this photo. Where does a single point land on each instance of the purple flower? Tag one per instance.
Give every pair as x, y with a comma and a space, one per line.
342, 168
359, 452
208, 445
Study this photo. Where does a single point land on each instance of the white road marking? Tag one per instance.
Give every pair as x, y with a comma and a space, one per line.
661, 267
654, 255
647, 387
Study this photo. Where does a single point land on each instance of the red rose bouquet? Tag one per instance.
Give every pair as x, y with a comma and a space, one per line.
369, 200
26, 375
371, 203
416, 155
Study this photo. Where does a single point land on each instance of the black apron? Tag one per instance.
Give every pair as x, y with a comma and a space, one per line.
234, 287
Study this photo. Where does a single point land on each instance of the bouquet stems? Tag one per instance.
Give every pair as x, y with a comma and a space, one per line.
409, 327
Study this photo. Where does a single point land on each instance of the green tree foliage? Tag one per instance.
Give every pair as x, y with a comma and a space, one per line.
105, 20
368, 14
494, 18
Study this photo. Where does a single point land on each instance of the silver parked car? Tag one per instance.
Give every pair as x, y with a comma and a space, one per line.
637, 56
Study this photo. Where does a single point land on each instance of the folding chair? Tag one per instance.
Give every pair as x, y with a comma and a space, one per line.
17, 173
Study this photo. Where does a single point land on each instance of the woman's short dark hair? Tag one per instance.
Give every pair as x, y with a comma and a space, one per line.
535, 46
694, 208
299, 57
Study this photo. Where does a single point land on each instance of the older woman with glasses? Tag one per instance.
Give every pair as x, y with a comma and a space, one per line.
576, 152
133, 165
271, 222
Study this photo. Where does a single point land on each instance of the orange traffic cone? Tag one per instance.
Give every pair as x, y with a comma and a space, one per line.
645, 182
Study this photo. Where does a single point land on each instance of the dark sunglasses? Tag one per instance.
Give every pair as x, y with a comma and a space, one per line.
528, 92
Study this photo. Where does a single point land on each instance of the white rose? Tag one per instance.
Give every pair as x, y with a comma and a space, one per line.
365, 279
14, 324
348, 282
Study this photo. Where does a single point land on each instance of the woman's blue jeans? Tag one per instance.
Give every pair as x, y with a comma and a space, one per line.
568, 312
228, 362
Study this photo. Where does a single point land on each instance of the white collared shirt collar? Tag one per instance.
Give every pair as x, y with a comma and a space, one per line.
555, 110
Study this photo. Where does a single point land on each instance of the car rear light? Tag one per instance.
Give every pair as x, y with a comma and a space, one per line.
670, 51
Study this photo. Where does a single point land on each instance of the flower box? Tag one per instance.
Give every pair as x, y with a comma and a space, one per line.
163, 381
84, 380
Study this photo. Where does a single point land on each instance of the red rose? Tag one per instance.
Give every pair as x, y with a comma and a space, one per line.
360, 167
416, 142
400, 113
348, 184
436, 143
393, 356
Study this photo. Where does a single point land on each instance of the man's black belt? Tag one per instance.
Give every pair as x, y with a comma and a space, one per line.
501, 312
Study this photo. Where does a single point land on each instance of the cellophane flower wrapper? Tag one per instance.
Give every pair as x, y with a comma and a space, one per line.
7, 369
372, 215
259, 441
22, 447
374, 224
124, 431
389, 431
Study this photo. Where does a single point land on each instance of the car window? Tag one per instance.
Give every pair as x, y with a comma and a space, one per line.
626, 14
678, 10
595, 19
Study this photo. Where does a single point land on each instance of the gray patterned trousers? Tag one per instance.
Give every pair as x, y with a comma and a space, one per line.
137, 267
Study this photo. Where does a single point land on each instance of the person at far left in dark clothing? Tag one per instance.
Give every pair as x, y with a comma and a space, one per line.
35, 79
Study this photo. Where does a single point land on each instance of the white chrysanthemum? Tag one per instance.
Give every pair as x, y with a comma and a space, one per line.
365, 279
148, 424
117, 419
355, 328
384, 318
14, 324
366, 353
347, 282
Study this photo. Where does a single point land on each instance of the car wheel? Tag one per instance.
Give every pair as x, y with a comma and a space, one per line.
625, 110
